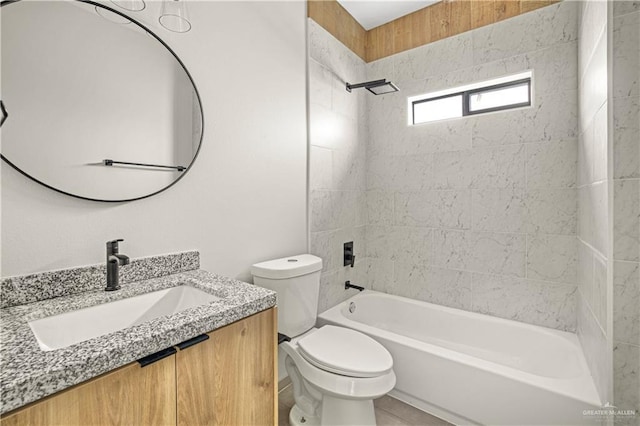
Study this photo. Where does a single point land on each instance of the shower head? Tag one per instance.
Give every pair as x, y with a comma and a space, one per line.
377, 87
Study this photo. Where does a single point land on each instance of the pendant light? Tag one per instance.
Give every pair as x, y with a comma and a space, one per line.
174, 16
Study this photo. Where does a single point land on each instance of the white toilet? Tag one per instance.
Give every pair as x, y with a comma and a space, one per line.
336, 372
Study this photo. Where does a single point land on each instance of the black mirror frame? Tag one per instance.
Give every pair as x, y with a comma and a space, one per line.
195, 89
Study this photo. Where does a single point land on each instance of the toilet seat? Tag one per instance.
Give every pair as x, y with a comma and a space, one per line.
346, 352
339, 386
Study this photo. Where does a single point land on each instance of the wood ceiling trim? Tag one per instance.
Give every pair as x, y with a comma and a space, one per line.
432, 23
331, 16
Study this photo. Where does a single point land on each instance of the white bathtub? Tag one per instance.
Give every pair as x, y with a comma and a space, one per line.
470, 368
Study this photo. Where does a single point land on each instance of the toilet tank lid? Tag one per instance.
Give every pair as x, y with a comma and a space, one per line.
287, 267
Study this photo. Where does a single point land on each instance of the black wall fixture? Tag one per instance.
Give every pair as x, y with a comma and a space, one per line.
109, 162
377, 87
349, 257
348, 285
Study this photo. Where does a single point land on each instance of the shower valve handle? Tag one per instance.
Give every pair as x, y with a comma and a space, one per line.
349, 258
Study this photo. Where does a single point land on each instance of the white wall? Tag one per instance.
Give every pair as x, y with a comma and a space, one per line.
243, 201
479, 213
625, 145
468, 213
594, 235
338, 137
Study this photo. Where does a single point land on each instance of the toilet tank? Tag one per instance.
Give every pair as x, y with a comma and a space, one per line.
296, 280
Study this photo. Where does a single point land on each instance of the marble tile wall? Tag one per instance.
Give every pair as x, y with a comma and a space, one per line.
593, 193
626, 207
505, 214
480, 213
337, 197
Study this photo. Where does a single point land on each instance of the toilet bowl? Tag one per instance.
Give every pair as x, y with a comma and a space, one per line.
336, 372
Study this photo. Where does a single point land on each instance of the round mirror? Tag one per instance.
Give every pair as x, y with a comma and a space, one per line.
97, 106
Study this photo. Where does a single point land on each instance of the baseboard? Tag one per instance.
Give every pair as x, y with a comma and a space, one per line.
283, 383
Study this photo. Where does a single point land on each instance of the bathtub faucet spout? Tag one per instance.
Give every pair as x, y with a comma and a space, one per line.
348, 285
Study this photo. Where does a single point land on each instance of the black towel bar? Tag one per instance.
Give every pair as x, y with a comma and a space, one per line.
109, 162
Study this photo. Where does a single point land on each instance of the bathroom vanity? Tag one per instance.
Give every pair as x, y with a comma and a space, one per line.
199, 385
210, 364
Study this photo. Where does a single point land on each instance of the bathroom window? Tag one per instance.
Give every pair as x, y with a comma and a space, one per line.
489, 96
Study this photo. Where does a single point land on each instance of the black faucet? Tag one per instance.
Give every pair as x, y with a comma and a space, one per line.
348, 285
114, 261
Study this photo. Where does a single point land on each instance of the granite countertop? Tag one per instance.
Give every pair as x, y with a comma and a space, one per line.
27, 373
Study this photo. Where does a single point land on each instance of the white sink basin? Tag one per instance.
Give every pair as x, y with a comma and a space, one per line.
66, 329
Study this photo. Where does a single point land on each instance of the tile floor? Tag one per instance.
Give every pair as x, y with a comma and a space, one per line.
389, 411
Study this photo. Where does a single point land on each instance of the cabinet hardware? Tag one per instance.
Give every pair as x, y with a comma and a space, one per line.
194, 341
156, 356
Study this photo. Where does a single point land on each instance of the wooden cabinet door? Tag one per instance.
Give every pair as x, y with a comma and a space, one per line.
231, 378
130, 395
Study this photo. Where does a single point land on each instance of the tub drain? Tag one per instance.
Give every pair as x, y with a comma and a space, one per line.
352, 307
